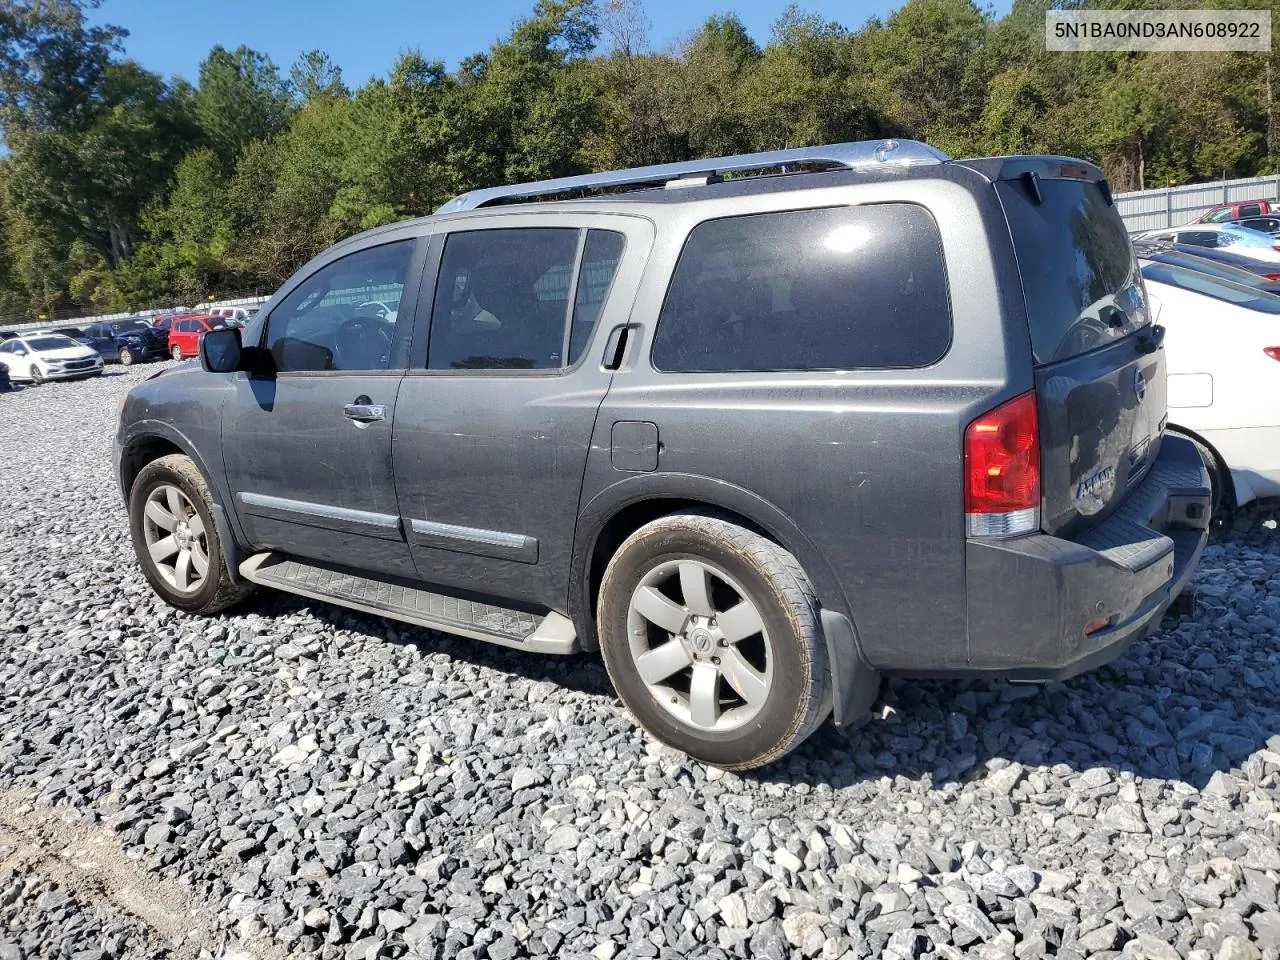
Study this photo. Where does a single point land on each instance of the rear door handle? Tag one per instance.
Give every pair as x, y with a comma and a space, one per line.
364, 412
615, 347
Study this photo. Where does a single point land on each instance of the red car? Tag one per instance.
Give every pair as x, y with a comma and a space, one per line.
1226, 212
186, 331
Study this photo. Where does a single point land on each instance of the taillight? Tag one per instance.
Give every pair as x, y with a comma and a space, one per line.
1272, 352
1002, 470
1271, 276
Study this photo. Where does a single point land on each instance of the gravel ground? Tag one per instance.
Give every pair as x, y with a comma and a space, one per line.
323, 783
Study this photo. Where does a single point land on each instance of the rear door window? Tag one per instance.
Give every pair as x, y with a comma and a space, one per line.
841, 288
506, 297
1079, 275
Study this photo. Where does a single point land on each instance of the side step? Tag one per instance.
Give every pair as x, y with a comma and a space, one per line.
552, 633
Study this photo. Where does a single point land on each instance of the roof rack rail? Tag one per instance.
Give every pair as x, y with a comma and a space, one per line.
848, 155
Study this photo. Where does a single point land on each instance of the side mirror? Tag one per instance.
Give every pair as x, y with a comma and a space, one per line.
220, 351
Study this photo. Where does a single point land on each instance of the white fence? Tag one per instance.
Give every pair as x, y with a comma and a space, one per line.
1174, 206
100, 318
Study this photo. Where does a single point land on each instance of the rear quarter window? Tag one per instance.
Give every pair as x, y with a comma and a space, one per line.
842, 288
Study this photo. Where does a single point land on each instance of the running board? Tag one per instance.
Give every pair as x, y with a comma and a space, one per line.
552, 633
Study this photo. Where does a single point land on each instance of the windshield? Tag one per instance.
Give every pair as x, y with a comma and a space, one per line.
125, 326
1244, 237
51, 343
1223, 290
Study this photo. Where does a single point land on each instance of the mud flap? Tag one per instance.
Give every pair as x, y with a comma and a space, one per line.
854, 684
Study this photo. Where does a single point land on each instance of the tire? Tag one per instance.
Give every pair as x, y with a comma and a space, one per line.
126, 357
787, 657
37, 377
176, 352
215, 591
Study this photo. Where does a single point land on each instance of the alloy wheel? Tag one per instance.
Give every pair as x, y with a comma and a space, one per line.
176, 538
699, 644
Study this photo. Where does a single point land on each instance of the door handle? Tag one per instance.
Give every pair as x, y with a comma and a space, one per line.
364, 412
615, 347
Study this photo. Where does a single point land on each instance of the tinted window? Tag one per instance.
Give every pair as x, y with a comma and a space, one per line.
129, 326
1200, 238
1250, 210
323, 325
502, 300
834, 289
600, 257
1238, 294
1079, 276
1265, 224
7, 346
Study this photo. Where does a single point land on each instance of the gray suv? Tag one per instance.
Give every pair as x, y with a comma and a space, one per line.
756, 429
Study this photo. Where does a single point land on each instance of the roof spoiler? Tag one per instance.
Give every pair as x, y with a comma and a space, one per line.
1032, 169
835, 156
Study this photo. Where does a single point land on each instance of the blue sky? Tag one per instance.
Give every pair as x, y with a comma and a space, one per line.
365, 36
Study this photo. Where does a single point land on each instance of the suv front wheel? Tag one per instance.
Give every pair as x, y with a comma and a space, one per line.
176, 540
711, 635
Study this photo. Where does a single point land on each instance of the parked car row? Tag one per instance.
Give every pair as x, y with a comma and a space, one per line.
69, 352
1232, 237
38, 357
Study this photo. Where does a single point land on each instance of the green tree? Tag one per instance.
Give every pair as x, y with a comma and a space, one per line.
315, 75
926, 69
241, 98
51, 62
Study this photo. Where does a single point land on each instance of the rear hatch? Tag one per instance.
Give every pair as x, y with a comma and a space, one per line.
1100, 381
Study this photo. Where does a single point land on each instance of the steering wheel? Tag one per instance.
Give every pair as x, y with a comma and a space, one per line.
362, 343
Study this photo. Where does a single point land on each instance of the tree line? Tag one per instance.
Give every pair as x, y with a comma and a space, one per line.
122, 189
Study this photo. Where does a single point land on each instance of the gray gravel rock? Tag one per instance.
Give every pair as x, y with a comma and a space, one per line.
334, 785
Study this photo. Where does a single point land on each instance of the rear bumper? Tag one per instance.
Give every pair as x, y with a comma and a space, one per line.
1029, 599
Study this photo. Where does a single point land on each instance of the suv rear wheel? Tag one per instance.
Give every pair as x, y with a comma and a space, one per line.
176, 540
710, 633
176, 352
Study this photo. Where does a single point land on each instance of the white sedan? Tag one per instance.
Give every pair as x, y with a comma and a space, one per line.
1224, 236
1222, 345
49, 356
